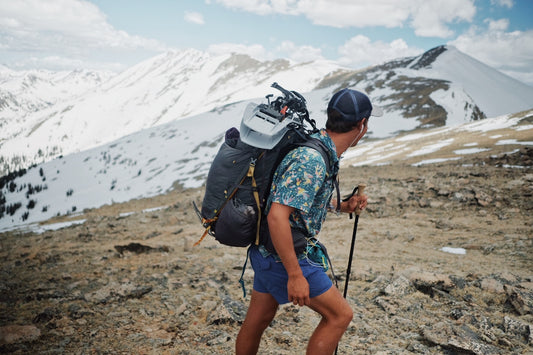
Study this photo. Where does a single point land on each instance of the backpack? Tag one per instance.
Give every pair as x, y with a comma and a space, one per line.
240, 177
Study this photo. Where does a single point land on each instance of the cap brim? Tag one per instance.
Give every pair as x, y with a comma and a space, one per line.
376, 111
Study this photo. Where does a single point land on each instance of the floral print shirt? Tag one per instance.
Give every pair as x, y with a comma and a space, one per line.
302, 181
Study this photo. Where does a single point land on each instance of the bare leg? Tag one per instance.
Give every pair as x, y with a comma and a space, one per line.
336, 316
260, 313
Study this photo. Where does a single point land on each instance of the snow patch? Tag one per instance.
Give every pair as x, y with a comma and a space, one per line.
434, 161
470, 151
458, 251
431, 148
512, 141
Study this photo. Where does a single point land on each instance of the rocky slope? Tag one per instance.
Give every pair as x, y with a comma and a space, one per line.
128, 280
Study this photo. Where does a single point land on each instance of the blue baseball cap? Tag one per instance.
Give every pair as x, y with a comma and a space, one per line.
353, 105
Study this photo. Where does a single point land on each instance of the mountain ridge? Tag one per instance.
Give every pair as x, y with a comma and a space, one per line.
177, 155
170, 86
180, 84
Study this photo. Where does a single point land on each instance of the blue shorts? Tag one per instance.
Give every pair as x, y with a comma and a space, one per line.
271, 276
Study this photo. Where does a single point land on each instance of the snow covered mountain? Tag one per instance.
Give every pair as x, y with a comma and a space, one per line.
142, 132
178, 155
441, 87
26, 94
167, 87
23, 93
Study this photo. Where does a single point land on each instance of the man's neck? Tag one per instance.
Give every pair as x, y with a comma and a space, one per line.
342, 141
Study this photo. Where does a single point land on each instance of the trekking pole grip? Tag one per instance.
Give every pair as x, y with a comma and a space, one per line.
360, 191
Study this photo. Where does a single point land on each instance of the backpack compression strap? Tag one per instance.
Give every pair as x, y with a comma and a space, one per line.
251, 175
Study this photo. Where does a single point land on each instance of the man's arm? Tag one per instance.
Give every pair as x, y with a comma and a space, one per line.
280, 232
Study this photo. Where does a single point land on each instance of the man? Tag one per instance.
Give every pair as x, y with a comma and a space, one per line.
299, 199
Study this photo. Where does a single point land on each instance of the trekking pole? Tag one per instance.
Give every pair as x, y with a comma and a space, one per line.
359, 190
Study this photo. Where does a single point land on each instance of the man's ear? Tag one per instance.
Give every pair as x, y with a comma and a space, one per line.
361, 124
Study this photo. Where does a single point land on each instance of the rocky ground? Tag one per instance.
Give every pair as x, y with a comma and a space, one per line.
129, 281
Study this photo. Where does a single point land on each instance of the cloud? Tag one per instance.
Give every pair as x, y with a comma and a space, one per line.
54, 62
300, 54
360, 51
507, 3
356, 13
286, 50
430, 18
427, 18
498, 25
71, 29
194, 17
509, 52
256, 51
260, 7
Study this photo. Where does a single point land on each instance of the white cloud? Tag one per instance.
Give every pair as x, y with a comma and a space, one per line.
194, 17
256, 51
286, 50
360, 51
507, 3
498, 25
356, 13
509, 52
54, 62
68, 29
428, 18
260, 7
301, 54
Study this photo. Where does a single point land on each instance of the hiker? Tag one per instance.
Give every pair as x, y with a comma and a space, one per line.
299, 199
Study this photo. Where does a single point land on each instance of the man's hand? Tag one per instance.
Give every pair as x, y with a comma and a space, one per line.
355, 202
298, 290
280, 232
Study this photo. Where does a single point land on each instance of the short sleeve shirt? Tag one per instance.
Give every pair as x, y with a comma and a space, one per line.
302, 181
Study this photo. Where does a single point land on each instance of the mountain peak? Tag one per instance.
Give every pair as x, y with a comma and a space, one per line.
493, 91
426, 59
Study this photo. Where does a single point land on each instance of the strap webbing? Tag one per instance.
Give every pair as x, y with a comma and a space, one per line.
251, 175
203, 236
241, 280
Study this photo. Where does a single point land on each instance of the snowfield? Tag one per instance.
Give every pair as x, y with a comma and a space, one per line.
179, 153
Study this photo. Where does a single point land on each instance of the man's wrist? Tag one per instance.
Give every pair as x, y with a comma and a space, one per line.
296, 274
332, 207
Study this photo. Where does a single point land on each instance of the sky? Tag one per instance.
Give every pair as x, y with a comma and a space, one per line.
116, 34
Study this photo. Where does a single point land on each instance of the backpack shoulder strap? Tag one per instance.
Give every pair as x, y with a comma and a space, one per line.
317, 144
